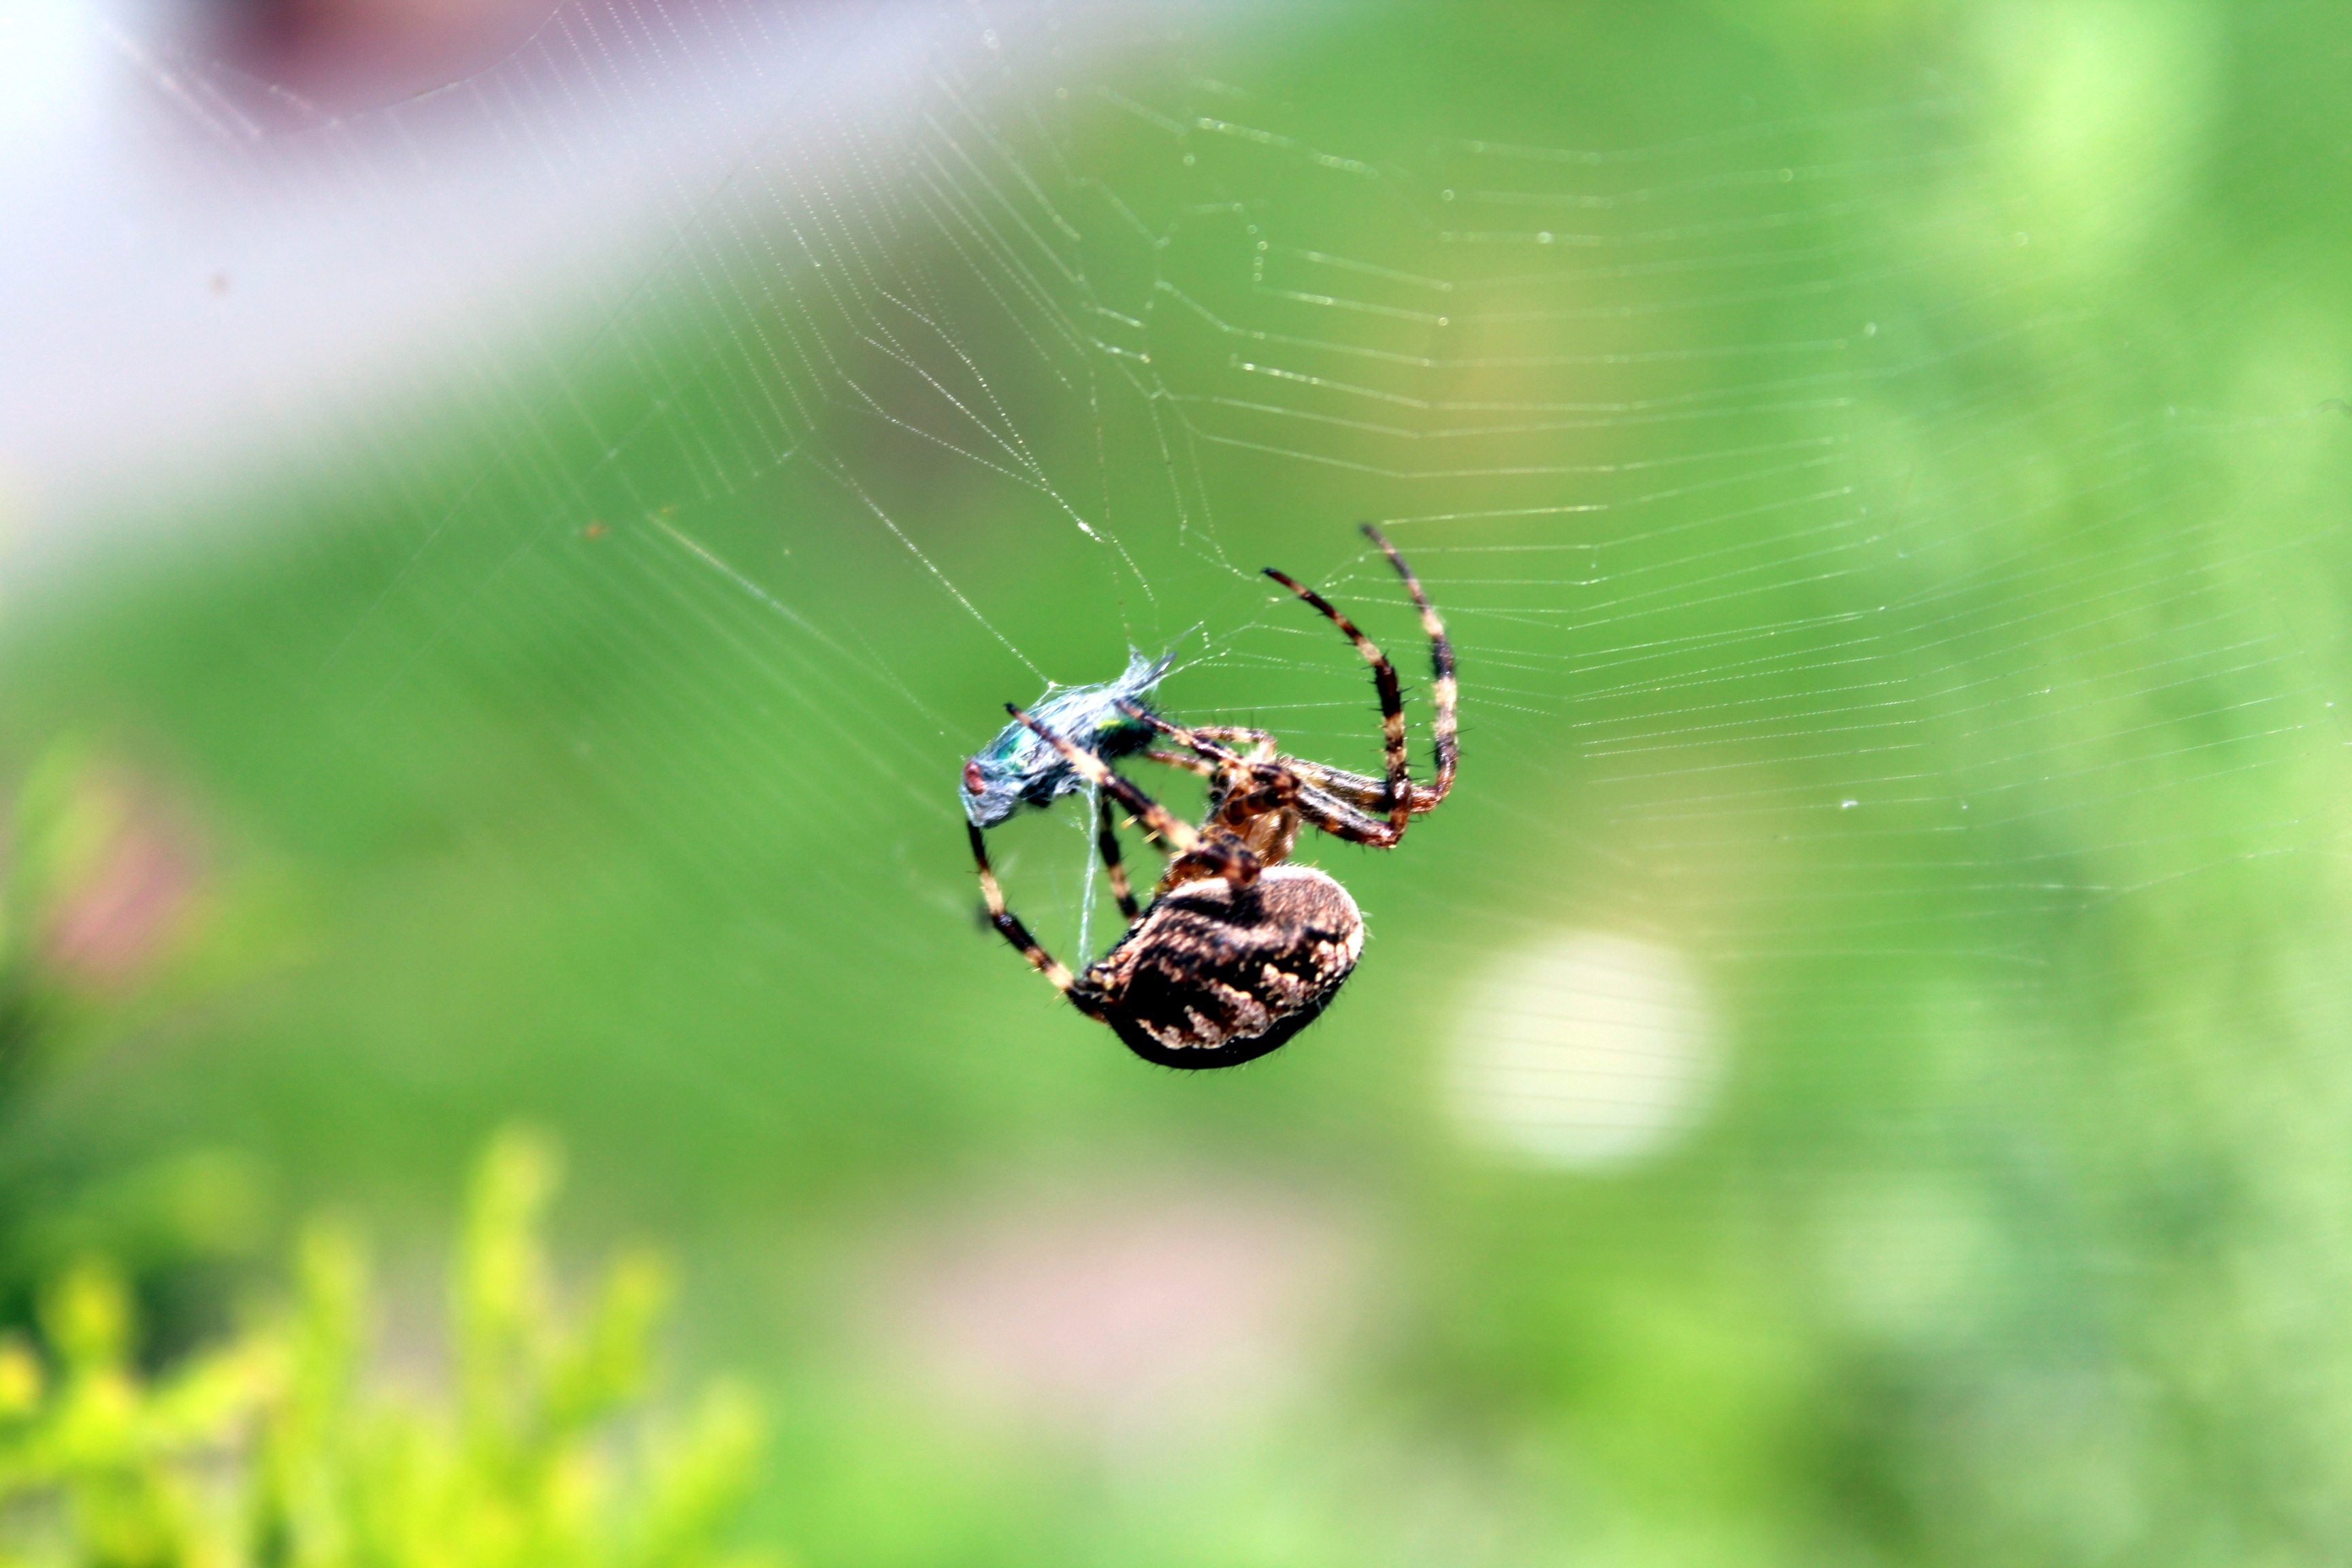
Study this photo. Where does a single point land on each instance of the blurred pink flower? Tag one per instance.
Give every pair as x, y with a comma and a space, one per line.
119, 906
1125, 1313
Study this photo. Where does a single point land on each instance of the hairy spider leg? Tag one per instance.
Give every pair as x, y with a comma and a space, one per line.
1009, 924
1356, 789
1233, 861
1385, 678
1332, 799
1198, 740
1190, 763
1339, 818
1276, 784
1106, 841
1283, 784
1444, 691
1259, 741
1371, 795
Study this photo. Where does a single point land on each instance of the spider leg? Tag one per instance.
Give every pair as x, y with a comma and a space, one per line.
1237, 864
1329, 798
1444, 691
1272, 784
1356, 789
1338, 802
1009, 924
1199, 740
1385, 678
1259, 743
1106, 840
1191, 765
1343, 820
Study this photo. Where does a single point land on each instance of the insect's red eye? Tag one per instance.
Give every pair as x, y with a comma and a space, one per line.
974, 780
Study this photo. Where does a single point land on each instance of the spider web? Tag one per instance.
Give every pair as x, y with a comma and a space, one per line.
1734, 459
1867, 587
1832, 587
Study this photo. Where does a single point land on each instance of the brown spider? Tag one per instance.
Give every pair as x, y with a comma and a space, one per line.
1238, 951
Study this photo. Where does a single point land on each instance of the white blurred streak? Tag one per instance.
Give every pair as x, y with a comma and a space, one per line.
1585, 1050
45, 84
195, 283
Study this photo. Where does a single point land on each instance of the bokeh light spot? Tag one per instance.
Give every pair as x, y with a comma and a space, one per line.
1585, 1049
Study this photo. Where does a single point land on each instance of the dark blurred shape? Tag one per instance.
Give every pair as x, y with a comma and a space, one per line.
344, 55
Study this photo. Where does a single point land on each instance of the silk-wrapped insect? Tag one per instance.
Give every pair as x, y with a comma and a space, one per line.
1021, 768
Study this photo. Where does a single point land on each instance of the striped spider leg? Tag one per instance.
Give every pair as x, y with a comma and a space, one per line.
1396, 795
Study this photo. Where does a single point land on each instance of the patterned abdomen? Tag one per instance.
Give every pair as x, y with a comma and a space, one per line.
1213, 974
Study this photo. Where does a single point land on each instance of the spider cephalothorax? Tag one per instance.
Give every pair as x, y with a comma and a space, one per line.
1238, 952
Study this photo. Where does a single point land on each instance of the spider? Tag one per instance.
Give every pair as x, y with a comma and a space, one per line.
1238, 950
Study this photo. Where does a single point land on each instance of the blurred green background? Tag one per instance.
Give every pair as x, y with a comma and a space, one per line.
1857, 1072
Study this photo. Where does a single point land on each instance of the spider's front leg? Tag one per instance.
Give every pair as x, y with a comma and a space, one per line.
1254, 745
1391, 696
1271, 785
1285, 783
1207, 759
1400, 799
1444, 724
1233, 861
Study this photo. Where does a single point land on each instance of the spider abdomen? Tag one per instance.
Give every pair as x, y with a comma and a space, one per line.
1214, 975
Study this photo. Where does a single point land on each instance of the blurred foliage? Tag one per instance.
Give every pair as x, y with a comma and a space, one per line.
288, 1446
60, 827
120, 916
118, 908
